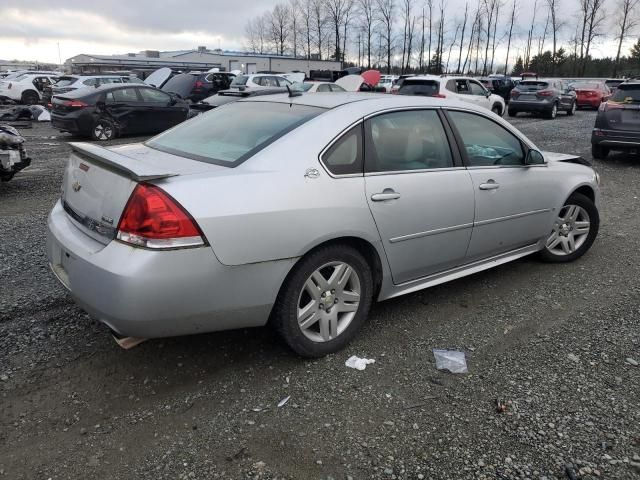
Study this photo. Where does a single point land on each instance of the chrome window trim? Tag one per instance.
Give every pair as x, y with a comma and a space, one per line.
335, 139
422, 170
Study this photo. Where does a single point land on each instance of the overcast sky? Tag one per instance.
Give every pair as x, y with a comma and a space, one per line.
32, 29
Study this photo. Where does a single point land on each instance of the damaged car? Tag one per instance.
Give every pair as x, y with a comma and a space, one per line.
109, 111
13, 156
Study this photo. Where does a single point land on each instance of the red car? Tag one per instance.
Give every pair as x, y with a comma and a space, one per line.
591, 94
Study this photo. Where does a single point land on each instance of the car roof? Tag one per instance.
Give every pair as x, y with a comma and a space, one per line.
376, 100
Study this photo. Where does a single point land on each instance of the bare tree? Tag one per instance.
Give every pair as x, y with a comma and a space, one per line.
367, 19
513, 17
464, 26
627, 21
468, 57
319, 23
595, 20
347, 17
411, 33
430, 6
407, 5
279, 28
306, 21
294, 19
543, 38
421, 59
527, 52
453, 43
335, 14
490, 7
495, 29
255, 32
555, 27
386, 10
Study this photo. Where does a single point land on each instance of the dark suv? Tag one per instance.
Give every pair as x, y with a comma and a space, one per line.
208, 84
547, 96
499, 85
618, 122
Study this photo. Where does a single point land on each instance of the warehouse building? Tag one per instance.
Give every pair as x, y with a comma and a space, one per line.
200, 59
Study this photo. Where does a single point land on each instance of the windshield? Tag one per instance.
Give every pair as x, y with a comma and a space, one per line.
419, 87
230, 134
66, 81
627, 94
240, 80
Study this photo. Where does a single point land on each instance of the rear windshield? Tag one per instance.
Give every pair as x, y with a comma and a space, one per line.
532, 85
230, 134
627, 94
419, 87
585, 86
240, 80
66, 81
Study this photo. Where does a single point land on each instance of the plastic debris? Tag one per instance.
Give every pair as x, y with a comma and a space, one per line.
501, 405
451, 360
284, 401
358, 363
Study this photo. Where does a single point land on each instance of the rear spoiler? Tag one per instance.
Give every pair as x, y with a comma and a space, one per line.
134, 168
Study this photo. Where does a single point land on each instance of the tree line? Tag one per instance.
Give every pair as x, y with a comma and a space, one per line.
422, 36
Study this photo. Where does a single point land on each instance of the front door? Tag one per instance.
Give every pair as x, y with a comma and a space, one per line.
157, 111
513, 201
479, 94
420, 196
124, 107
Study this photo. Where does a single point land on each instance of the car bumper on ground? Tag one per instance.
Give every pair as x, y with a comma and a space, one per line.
146, 293
615, 139
70, 125
543, 106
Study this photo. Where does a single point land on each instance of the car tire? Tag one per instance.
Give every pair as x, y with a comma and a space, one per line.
327, 330
512, 113
599, 152
103, 130
551, 114
30, 98
574, 230
572, 109
497, 109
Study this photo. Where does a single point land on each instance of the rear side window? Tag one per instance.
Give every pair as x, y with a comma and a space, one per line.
122, 95
627, 94
427, 88
324, 88
66, 81
487, 143
407, 140
345, 155
336, 88
230, 134
462, 87
90, 82
150, 95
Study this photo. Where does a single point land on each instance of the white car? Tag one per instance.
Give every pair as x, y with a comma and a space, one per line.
259, 81
313, 87
26, 88
461, 88
386, 82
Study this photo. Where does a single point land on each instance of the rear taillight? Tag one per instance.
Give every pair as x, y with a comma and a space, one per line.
439, 95
199, 84
74, 104
152, 219
545, 93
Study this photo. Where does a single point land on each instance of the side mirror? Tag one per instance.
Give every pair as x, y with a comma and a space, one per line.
534, 157
487, 93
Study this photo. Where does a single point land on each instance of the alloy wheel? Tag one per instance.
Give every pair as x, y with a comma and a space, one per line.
329, 301
103, 132
570, 230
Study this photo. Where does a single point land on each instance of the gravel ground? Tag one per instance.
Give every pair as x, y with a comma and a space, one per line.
559, 344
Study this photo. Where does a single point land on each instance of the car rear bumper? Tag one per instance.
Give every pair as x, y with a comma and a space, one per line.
520, 106
615, 139
146, 294
584, 102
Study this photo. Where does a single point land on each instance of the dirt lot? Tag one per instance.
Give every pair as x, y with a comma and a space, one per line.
552, 340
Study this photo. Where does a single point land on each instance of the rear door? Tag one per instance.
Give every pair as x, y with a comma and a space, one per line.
124, 107
418, 192
513, 201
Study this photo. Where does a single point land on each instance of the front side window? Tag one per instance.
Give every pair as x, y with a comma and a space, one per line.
150, 95
407, 140
230, 134
477, 89
485, 142
280, 81
345, 155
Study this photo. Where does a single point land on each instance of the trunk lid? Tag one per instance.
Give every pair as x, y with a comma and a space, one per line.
98, 182
622, 111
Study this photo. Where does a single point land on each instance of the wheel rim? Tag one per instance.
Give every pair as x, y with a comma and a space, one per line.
102, 132
570, 230
328, 301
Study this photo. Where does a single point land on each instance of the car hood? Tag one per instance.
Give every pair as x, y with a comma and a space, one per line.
551, 157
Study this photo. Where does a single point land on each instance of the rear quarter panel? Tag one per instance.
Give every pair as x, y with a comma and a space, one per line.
266, 209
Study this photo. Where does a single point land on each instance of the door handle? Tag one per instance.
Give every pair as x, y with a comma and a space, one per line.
387, 194
490, 185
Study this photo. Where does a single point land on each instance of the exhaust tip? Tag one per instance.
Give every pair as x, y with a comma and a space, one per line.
127, 343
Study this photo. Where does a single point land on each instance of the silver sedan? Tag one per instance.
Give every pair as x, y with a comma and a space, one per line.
302, 210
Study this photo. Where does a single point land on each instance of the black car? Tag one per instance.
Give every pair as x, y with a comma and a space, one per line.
111, 110
198, 86
500, 86
546, 96
618, 122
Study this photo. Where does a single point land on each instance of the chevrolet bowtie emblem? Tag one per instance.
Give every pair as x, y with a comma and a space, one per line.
76, 186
